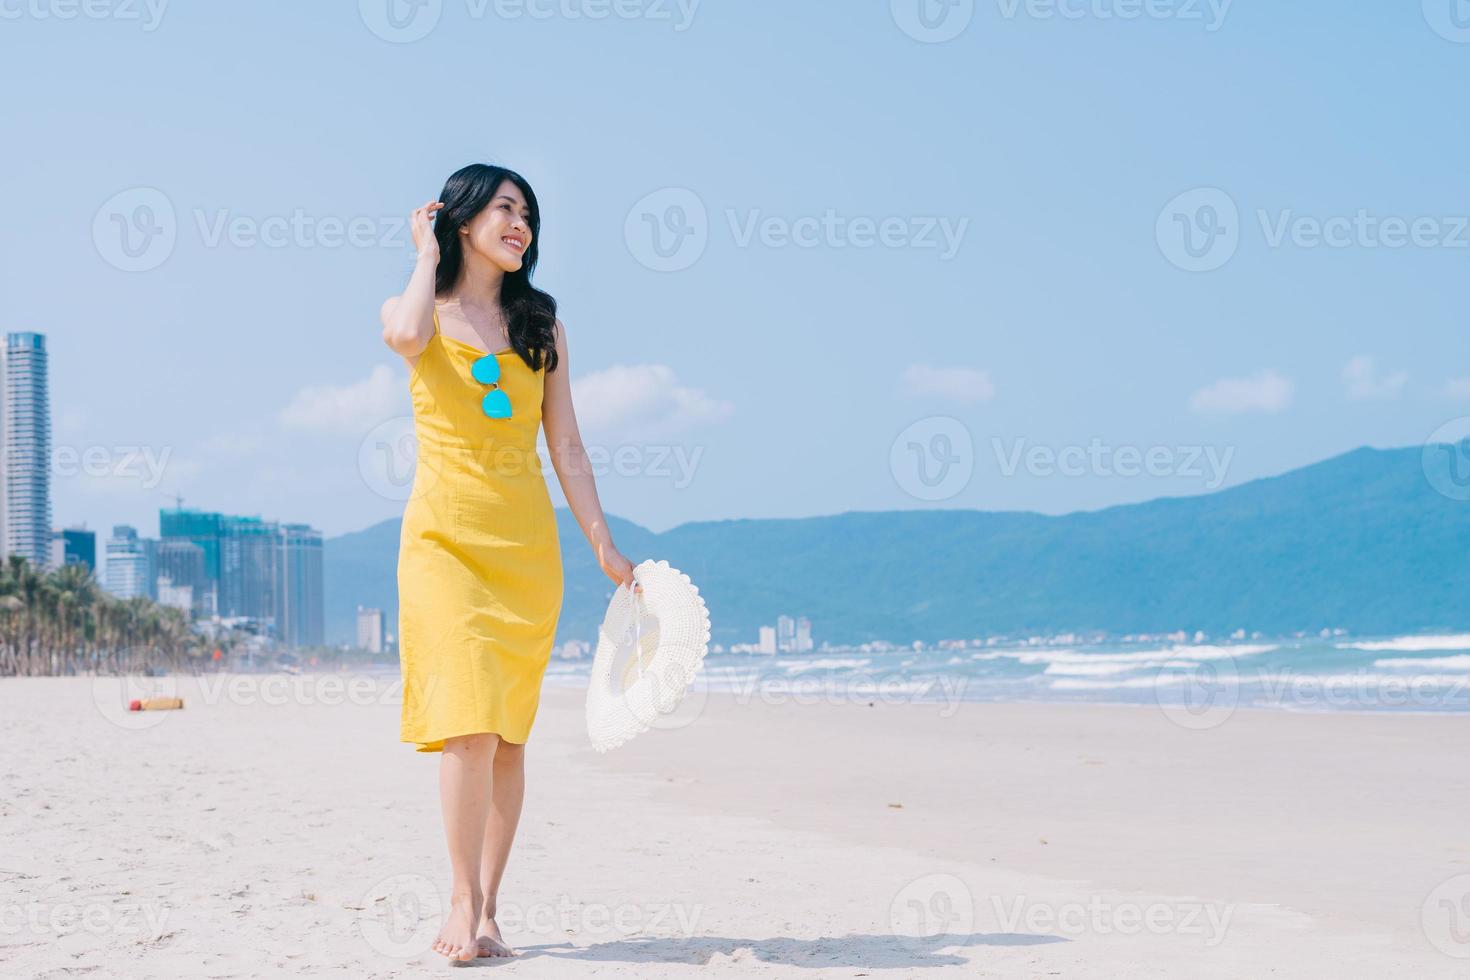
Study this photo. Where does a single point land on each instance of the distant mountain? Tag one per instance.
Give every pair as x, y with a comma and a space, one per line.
1361, 541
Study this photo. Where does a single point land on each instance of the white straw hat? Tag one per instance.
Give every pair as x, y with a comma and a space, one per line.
645, 662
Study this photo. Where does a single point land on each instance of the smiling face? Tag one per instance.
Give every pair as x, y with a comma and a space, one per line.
501, 232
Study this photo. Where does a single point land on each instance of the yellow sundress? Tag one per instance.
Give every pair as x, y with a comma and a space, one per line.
479, 561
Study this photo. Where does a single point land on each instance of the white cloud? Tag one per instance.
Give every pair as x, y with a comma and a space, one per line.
1265, 391
350, 409
642, 400
1363, 381
958, 384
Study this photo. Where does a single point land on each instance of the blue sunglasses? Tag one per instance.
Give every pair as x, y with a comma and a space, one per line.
496, 403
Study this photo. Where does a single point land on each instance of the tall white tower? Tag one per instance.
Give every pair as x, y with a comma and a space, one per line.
25, 521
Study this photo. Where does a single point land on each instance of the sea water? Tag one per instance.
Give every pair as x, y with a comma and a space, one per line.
1428, 673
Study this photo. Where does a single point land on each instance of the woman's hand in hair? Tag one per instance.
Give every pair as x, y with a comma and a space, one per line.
422, 224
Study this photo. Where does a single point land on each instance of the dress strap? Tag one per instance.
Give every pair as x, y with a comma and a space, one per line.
435, 311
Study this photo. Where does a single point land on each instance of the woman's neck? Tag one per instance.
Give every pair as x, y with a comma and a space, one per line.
479, 282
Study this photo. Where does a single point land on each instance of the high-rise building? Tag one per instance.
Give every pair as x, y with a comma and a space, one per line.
370, 629
74, 546
785, 634
768, 639
803, 634
248, 553
181, 561
25, 503
299, 599
260, 570
127, 564
203, 529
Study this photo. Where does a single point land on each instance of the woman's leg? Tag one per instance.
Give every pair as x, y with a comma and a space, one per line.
464, 796
508, 790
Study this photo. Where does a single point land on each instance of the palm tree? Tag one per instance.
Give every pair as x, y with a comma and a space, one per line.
61, 622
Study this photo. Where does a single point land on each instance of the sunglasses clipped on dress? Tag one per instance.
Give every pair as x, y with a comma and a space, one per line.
496, 403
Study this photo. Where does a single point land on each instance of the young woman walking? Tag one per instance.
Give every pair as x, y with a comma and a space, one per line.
479, 561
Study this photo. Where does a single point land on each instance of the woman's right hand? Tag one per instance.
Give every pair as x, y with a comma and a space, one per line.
422, 224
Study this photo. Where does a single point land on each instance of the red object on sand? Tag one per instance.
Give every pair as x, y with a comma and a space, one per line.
135, 705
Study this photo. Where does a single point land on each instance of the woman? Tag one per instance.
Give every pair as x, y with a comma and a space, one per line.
479, 563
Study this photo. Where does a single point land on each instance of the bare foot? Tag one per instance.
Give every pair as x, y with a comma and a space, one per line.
490, 943
457, 939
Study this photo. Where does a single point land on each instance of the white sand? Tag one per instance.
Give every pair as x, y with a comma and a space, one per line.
285, 830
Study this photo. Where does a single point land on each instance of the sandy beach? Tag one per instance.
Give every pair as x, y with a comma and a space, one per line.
276, 826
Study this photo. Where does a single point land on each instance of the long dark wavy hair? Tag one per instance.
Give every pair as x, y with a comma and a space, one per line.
530, 313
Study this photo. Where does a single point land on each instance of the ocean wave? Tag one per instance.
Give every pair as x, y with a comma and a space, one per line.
1155, 658
1363, 681
823, 663
1461, 662
1093, 670
1456, 641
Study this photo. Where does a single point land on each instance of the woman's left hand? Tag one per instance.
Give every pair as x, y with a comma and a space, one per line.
615, 566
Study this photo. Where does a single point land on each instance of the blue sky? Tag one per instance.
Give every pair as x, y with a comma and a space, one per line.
891, 272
